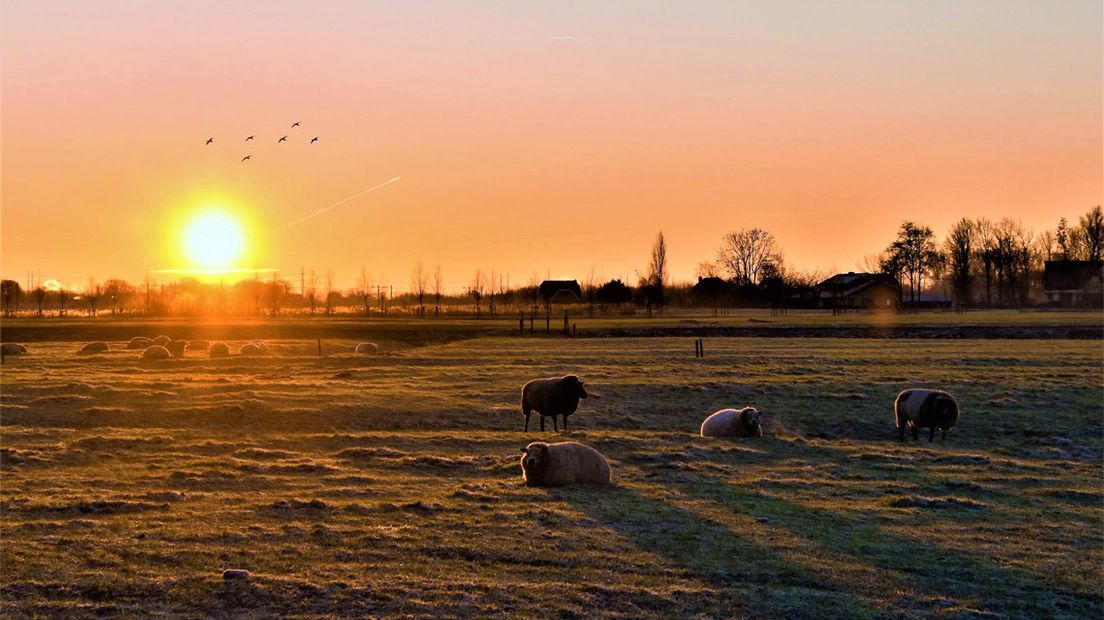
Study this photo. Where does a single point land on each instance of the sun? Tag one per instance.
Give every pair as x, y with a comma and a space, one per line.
214, 240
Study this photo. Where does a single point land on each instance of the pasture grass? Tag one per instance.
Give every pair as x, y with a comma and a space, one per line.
388, 485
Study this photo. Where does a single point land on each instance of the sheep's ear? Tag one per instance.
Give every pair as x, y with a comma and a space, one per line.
523, 450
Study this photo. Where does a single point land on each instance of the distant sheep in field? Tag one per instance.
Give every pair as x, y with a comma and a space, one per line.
219, 349
161, 340
733, 423
139, 342
12, 348
94, 347
156, 352
551, 397
252, 348
198, 345
924, 408
559, 464
367, 347
176, 347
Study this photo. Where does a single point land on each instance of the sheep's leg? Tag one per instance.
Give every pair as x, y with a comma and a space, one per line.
900, 432
542, 422
527, 422
944, 431
915, 433
555, 426
565, 422
931, 435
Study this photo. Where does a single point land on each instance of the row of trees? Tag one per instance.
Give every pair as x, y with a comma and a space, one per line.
979, 261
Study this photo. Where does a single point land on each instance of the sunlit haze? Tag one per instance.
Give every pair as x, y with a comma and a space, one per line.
531, 138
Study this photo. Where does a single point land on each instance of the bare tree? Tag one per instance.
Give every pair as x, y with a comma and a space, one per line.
708, 269
311, 291
418, 281
1046, 245
364, 290
476, 290
63, 299
438, 288
1092, 230
278, 289
330, 292
913, 254
39, 294
10, 291
959, 247
92, 297
986, 242
744, 254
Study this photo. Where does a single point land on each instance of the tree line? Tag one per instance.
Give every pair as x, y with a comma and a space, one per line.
979, 262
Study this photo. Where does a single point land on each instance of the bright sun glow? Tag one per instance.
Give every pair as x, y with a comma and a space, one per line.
214, 240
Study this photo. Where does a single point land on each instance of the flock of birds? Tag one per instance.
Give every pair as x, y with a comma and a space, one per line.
283, 138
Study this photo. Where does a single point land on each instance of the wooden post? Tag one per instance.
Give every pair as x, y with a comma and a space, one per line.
547, 320
701, 347
574, 329
696, 350
532, 315
565, 323
319, 347
521, 322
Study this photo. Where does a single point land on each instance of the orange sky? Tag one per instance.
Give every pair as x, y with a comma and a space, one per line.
535, 138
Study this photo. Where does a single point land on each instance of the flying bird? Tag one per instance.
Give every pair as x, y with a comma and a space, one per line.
247, 157
295, 124
282, 139
248, 138
314, 139
209, 140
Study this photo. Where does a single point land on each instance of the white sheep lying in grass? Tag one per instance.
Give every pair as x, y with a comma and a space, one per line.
161, 340
733, 423
367, 347
925, 408
156, 352
219, 349
139, 342
94, 347
12, 348
559, 464
257, 347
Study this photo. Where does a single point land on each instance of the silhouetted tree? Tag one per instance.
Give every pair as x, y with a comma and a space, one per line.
63, 299
418, 281
92, 297
438, 289
39, 294
330, 291
912, 255
656, 280
476, 290
10, 292
118, 293
959, 247
364, 290
708, 269
311, 292
1092, 227
614, 292
744, 253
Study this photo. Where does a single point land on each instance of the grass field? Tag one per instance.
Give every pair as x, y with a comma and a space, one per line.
389, 485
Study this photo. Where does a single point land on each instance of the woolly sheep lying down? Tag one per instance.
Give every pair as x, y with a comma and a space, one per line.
257, 347
219, 349
552, 397
367, 347
733, 423
925, 408
94, 347
559, 464
139, 342
156, 352
12, 348
161, 340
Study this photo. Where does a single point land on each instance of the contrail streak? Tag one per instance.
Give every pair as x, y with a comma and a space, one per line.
343, 201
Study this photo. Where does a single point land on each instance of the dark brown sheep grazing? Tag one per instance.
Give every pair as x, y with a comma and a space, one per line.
559, 464
551, 397
733, 423
925, 408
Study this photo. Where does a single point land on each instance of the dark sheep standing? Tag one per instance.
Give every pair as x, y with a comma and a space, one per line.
551, 397
925, 408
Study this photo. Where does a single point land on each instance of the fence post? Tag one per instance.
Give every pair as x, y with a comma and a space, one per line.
565, 323
521, 322
319, 347
547, 320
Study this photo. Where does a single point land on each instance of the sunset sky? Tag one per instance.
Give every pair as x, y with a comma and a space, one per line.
534, 138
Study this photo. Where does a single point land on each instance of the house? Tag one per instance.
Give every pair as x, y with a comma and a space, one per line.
870, 291
1074, 283
560, 292
711, 291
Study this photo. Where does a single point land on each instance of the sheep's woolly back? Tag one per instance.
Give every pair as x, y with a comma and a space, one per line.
560, 464
733, 423
552, 397
219, 349
161, 340
367, 347
139, 342
926, 408
94, 347
156, 352
176, 347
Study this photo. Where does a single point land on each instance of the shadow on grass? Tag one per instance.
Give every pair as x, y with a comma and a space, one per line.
750, 578
968, 579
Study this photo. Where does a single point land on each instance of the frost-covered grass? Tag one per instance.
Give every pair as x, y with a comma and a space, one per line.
388, 484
